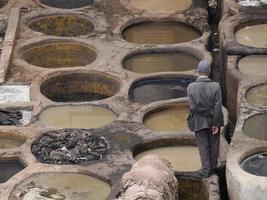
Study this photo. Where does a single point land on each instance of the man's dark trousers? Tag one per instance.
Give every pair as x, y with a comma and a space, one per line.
208, 145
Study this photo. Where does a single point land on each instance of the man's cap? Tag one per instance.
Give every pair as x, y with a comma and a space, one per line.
203, 66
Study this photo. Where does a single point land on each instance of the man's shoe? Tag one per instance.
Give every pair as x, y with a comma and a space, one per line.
203, 173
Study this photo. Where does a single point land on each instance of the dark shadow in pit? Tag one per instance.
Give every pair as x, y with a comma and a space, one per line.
67, 4
8, 168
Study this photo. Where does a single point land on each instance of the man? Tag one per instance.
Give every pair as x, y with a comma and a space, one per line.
206, 117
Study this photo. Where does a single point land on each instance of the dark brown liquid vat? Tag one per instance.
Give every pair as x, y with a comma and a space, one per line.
62, 25
160, 33
8, 142
67, 4
256, 127
160, 62
256, 164
9, 168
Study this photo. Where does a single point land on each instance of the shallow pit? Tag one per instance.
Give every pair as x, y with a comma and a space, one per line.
157, 88
9, 140
62, 186
257, 95
167, 118
14, 94
144, 63
77, 116
79, 87
256, 127
252, 34
156, 6
9, 167
59, 54
182, 153
69, 146
253, 65
255, 164
66, 4
14, 117
62, 25
168, 32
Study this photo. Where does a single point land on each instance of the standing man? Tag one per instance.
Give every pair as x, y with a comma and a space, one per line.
206, 117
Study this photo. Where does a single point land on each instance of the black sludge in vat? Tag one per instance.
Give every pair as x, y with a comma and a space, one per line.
256, 164
67, 4
157, 89
9, 168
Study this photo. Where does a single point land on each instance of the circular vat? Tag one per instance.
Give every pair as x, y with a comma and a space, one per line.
253, 65
257, 96
9, 167
59, 54
167, 118
77, 116
159, 88
69, 146
252, 34
182, 153
255, 164
9, 140
145, 63
256, 127
79, 87
156, 6
62, 25
167, 32
61, 186
67, 4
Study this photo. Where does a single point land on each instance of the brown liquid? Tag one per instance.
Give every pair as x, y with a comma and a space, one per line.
155, 6
77, 116
253, 65
9, 142
160, 33
257, 96
256, 127
182, 158
72, 186
168, 119
254, 36
160, 62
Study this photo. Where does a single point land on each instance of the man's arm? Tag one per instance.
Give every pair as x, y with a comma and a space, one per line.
217, 108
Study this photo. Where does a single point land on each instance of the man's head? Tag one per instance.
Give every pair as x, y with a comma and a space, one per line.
203, 67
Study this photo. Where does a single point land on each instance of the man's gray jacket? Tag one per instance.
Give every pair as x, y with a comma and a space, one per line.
205, 103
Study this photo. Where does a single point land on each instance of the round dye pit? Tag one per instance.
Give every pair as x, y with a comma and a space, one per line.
255, 164
145, 63
156, 89
9, 168
257, 96
253, 35
256, 127
69, 146
167, 118
67, 4
80, 87
253, 65
155, 6
61, 186
10, 140
57, 55
62, 25
169, 32
77, 116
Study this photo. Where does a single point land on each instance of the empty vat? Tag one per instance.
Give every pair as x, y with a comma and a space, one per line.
167, 118
253, 65
256, 127
61, 186
9, 168
10, 140
255, 164
168, 32
62, 25
67, 4
257, 95
155, 6
144, 63
156, 89
77, 116
78, 87
253, 35
58, 55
